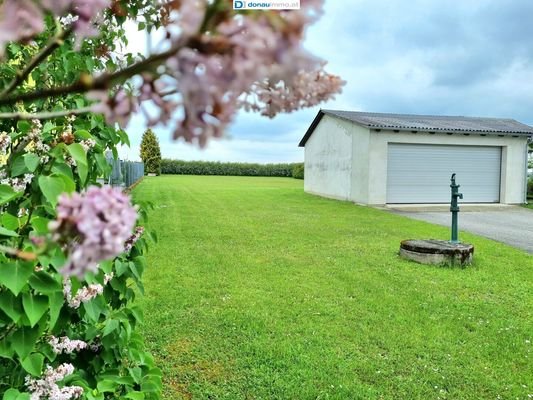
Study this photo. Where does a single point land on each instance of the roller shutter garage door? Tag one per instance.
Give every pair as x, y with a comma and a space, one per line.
420, 173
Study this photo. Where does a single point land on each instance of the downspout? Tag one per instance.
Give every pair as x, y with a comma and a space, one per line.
528, 142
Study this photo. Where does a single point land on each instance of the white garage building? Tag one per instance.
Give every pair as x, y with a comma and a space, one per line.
373, 158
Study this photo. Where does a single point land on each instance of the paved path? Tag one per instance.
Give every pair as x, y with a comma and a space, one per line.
513, 225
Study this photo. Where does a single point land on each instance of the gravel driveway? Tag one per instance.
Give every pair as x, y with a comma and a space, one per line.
512, 225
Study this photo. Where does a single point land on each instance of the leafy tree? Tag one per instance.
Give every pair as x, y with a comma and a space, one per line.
151, 153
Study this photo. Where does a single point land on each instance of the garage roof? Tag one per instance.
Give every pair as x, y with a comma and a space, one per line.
426, 123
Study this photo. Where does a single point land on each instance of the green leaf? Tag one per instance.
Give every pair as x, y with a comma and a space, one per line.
94, 395
23, 340
78, 153
10, 305
52, 187
48, 127
56, 304
134, 396
110, 326
70, 185
10, 221
7, 194
7, 232
79, 103
93, 310
102, 163
62, 169
31, 161
106, 266
124, 138
5, 349
107, 385
121, 267
136, 374
150, 387
125, 380
23, 126
18, 167
11, 394
15, 275
137, 313
35, 306
44, 283
33, 364
40, 225
57, 258
83, 134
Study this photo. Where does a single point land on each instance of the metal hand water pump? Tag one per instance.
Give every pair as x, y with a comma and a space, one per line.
454, 208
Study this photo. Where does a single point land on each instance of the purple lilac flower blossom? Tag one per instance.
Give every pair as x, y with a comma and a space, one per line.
133, 239
66, 345
94, 226
46, 388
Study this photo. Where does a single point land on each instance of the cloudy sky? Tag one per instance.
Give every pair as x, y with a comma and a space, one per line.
472, 58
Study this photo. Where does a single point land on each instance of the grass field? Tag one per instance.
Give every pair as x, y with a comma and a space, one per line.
257, 290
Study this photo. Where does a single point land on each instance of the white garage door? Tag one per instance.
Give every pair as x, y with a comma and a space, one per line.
418, 173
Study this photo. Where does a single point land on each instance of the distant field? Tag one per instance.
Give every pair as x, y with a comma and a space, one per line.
257, 290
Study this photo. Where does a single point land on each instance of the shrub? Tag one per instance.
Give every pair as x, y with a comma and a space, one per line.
179, 167
151, 153
530, 187
298, 171
69, 258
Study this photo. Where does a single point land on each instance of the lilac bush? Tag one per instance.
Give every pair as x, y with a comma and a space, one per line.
71, 248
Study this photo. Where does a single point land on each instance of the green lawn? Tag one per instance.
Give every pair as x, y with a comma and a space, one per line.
257, 290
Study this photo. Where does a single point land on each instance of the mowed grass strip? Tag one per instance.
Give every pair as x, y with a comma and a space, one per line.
257, 290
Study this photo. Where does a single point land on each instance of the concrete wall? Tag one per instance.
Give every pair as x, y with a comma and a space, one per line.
328, 159
513, 160
348, 162
361, 174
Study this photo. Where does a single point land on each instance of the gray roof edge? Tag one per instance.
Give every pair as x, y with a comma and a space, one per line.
354, 114
527, 132
452, 131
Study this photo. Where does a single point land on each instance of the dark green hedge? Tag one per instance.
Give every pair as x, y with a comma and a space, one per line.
298, 171
179, 167
530, 187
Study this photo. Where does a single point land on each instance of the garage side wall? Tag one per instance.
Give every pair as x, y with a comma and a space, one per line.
360, 164
512, 168
328, 159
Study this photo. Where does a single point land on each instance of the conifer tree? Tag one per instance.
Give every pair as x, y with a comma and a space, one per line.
151, 153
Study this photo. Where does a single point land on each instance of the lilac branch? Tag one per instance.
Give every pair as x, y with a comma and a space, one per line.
87, 83
44, 115
24, 255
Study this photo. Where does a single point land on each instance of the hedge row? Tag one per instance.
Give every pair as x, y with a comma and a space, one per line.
179, 167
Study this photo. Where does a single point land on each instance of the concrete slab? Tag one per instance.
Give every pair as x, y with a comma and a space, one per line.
446, 207
512, 225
